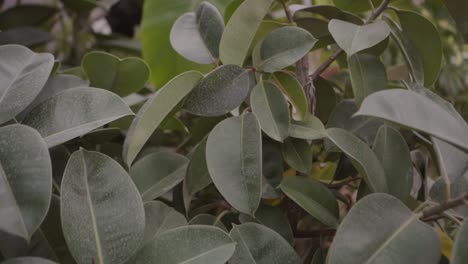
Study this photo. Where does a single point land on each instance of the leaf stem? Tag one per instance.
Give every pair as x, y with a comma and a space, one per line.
438, 209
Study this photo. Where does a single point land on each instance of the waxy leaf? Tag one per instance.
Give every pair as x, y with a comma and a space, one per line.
365, 161
121, 76
234, 160
271, 108
23, 73
420, 32
310, 128
460, 254
203, 30
417, 112
25, 180
157, 173
75, 112
331, 12
391, 149
298, 154
28, 260
219, 92
154, 112
383, 230
103, 218
197, 177
367, 74
240, 30
207, 219
313, 197
284, 47
188, 245
257, 244
354, 38
292, 88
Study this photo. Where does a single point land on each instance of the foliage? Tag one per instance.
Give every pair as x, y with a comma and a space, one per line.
266, 131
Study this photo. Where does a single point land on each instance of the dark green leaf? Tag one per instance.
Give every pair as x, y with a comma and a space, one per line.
298, 154
26, 15
25, 36
293, 90
197, 177
207, 219
28, 260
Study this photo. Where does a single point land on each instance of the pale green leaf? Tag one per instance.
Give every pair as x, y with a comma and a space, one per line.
207, 219
160, 218
460, 254
28, 260
310, 128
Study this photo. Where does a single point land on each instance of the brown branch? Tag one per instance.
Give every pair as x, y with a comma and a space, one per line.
438, 209
343, 183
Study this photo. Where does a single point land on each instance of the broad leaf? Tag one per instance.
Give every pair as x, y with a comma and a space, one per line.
103, 218
25, 180
257, 244
365, 161
310, 128
207, 219
298, 154
328, 99
354, 38
203, 30
355, 6
458, 10
241, 29
121, 76
293, 90
272, 158
26, 15
219, 92
284, 47
75, 112
383, 230
330, 12
314, 197
420, 32
393, 152
23, 73
28, 260
155, 110
197, 177
157, 173
271, 108
367, 74
460, 254
417, 112
234, 160
25, 36
188, 245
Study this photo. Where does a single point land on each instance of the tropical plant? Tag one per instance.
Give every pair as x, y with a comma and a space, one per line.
266, 131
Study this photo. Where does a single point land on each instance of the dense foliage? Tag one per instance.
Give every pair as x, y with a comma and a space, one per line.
266, 131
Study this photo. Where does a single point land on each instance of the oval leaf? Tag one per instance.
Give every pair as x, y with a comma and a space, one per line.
188, 245
240, 30
234, 160
293, 90
157, 173
314, 197
258, 244
75, 112
298, 154
197, 177
219, 92
460, 254
155, 110
121, 76
271, 109
283, 47
103, 218
25, 168
23, 73
384, 231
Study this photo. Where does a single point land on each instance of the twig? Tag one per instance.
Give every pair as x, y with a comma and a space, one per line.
343, 183
438, 209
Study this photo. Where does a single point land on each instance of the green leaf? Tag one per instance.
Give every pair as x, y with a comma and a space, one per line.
231, 8
409, 50
157, 173
121, 76
383, 230
293, 90
25, 180
154, 112
259, 244
28, 260
23, 73
272, 158
460, 255
197, 177
26, 15
413, 110
459, 12
25, 36
188, 245
298, 154
328, 99
330, 12
207, 219
203, 30
283, 47
313, 197
241, 29
158, 18
220, 92
310, 128
391, 149
420, 32
271, 109
234, 160
103, 218
75, 112
355, 6
368, 75
365, 161
354, 38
